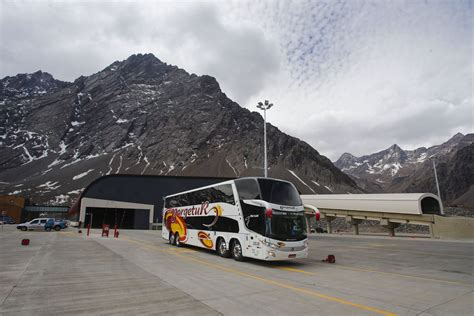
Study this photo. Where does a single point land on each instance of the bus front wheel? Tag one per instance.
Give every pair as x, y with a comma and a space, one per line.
222, 249
237, 251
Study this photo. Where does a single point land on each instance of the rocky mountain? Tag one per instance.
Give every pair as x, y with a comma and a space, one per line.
398, 170
140, 116
27, 85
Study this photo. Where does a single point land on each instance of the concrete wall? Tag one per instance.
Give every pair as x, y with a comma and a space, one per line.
453, 227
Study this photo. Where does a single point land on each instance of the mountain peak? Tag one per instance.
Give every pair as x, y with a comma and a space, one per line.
148, 57
346, 156
395, 147
456, 138
29, 84
346, 159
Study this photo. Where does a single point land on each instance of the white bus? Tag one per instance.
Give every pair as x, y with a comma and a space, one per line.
258, 218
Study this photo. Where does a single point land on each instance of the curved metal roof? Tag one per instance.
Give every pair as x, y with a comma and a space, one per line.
403, 203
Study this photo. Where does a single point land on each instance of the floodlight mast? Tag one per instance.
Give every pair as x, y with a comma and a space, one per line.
265, 106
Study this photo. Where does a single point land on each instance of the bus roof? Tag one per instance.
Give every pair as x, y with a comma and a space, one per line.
221, 183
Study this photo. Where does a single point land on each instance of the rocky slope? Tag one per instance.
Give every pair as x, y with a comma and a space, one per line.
140, 116
398, 170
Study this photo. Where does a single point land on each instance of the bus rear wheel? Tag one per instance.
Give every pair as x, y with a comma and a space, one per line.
222, 249
172, 239
237, 251
177, 242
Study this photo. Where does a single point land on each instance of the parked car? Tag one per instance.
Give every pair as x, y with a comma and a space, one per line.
56, 224
36, 224
62, 223
6, 219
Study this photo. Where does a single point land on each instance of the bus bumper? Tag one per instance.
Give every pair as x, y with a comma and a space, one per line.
275, 255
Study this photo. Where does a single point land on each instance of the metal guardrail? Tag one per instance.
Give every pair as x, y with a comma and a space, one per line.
388, 220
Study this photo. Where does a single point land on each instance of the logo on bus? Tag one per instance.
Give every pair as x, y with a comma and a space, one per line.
205, 239
175, 224
193, 211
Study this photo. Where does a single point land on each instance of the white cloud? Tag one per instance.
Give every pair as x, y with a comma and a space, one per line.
344, 76
360, 77
69, 39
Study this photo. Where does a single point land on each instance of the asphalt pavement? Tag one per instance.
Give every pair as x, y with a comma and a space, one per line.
139, 273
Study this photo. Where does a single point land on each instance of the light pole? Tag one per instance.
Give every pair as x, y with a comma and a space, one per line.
265, 106
437, 186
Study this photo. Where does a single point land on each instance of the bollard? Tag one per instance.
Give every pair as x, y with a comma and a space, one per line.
88, 229
105, 230
25, 242
330, 259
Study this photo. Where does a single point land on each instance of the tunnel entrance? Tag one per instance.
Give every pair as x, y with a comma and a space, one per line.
124, 218
430, 205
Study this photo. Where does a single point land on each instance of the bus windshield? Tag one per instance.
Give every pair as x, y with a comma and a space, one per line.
286, 226
279, 192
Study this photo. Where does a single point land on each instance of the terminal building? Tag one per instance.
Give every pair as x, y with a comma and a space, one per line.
131, 201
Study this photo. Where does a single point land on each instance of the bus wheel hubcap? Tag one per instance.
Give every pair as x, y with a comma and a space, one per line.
237, 250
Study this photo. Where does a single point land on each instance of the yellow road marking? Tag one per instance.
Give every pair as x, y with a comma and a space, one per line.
358, 269
268, 281
181, 250
395, 274
296, 270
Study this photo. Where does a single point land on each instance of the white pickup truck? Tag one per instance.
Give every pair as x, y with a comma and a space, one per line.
36, 224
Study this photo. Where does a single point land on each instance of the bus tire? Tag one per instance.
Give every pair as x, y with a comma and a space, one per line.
222, 249
172, 239
177, 242
237, 251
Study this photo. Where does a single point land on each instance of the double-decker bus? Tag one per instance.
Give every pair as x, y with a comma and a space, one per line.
259, 218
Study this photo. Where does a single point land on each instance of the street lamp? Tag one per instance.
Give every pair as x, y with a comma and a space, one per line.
437, 186
265, 106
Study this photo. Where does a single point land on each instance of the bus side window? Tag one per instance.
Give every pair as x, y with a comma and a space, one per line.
248, 189
171, 202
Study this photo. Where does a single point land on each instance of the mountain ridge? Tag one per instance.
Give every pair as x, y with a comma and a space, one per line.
398, 170
143, 116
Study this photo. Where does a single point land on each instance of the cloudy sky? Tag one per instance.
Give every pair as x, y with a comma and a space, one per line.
345, 76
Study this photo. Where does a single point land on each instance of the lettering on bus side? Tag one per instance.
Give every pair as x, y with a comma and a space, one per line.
203, 210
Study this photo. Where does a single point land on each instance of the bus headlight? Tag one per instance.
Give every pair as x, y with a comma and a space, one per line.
271, 253
269, 244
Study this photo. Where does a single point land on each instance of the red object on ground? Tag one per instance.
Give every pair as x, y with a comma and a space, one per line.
25, 242
105, 230
116, 233
330, 259
88, 229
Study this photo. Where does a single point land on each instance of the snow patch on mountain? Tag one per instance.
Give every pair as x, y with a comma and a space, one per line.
81, 175
294, 174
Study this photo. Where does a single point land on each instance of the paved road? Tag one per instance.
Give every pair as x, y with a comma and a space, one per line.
61, 273
372, 276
